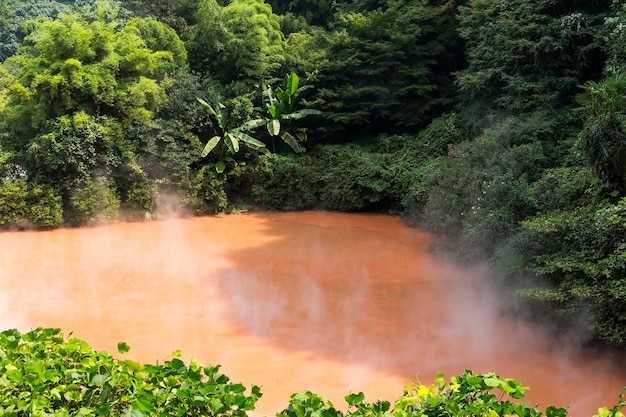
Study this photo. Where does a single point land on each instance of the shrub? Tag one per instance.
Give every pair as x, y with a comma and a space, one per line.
46, 373
579, 257
468, 394
95, 202
23, 205
207, 194
285, 183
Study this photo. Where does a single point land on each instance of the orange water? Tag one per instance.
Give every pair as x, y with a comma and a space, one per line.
331, 303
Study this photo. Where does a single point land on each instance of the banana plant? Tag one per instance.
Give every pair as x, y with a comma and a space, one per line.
226, 142
281, 105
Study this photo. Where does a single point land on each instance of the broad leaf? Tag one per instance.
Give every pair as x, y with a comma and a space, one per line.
122, 347
220, 166
253, 124
274, 112
291, 83
354, 399
249, 140
273, 127
293, 143
209, 109
299, 114
232, 142
212, 143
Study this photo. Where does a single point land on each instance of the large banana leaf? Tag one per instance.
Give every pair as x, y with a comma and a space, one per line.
299, 114
248, 140
212, 143
232, 142
273, 127
253, 124
293, 143
291, 84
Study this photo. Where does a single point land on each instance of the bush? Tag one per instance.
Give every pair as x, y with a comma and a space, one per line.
23, 205
334, 177
579, 257
480, 192
468, 394
94, 203
207, 193
285, 183
45, 373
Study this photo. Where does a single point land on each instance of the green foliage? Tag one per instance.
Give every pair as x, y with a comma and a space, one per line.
240, 42
480, 192
380, 76
43, 372
468, 394
16, 22
285, 182
602, 138
560, 189
23, 205
529, 54
208, 196
334, 177
579, 256
225, 143
94, 203
75, 149
282, 108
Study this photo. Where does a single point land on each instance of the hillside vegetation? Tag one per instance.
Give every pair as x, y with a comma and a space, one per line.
497, 124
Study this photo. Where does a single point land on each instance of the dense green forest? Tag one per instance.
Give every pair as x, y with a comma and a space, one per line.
497, 124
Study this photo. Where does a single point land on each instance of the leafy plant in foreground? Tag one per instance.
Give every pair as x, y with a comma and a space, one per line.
44, 373
468, 394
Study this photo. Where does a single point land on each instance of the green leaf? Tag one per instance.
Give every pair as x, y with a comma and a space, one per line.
253, 124
122, 347
273, 127
274, 112
208, 108
216, 404
354, 399
299, 114
220, 166
232, 142
293, 143
14, 375
291, 83
211, 144
249, 140
491, 381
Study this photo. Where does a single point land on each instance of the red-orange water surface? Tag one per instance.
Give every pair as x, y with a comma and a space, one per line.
332, 303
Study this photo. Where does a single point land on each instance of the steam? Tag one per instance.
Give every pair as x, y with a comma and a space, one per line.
297, 301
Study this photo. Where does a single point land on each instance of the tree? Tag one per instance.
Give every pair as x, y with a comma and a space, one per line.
525, 55
77, 89
602, 138
282, 107
379, 75
240, 42
226, 140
